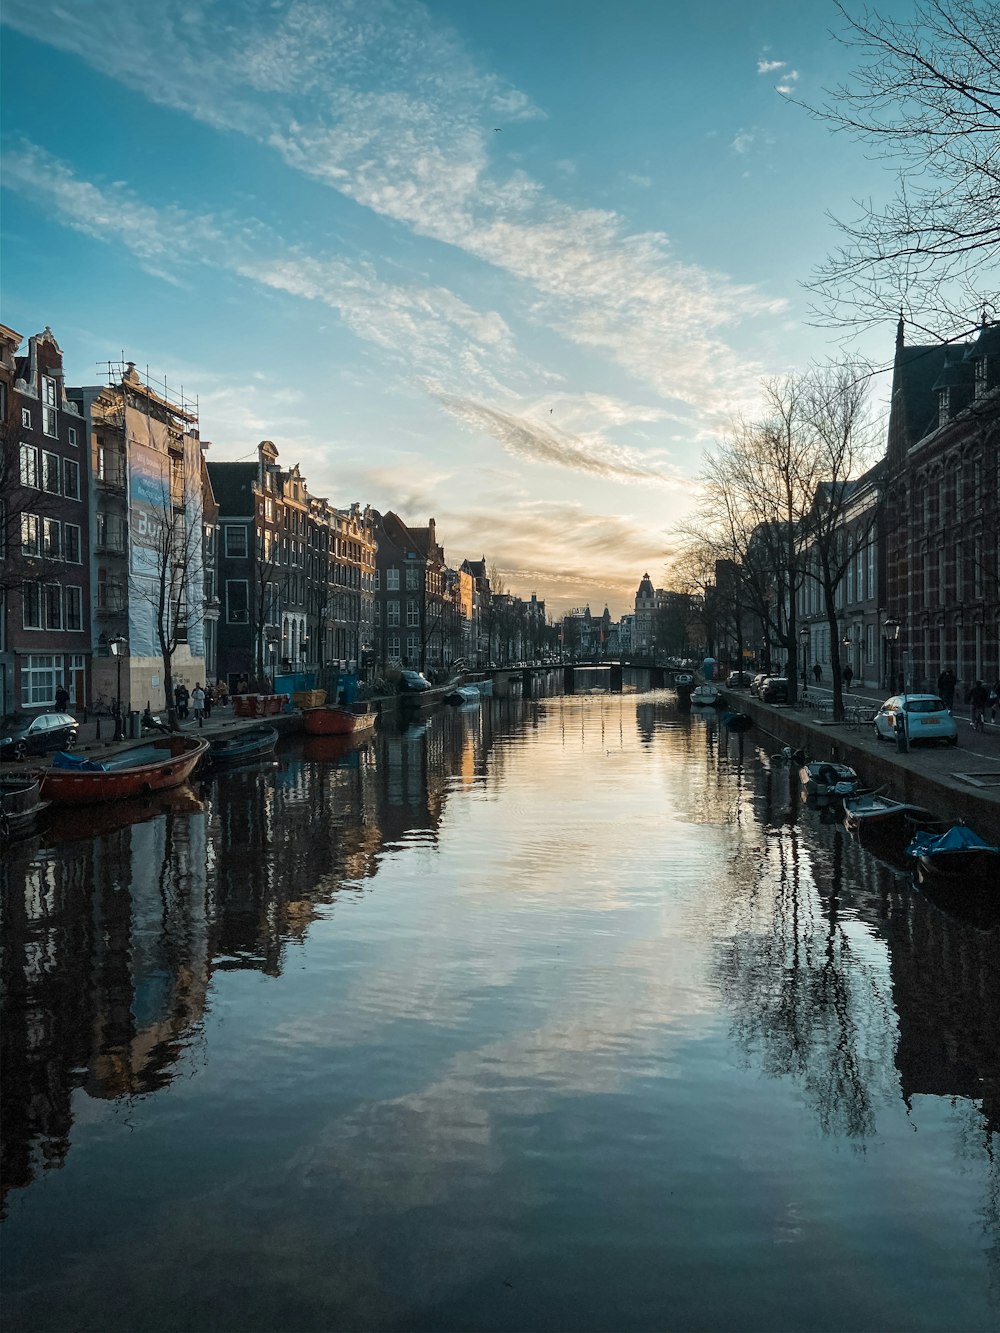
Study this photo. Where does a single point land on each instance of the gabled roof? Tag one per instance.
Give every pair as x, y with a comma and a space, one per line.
233, 485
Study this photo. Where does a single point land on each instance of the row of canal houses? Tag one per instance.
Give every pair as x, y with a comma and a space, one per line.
111, 505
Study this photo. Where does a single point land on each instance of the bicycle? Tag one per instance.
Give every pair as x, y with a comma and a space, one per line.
102, 706
978, 719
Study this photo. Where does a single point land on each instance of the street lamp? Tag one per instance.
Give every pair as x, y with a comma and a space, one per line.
804, 638
118, 646
890, 628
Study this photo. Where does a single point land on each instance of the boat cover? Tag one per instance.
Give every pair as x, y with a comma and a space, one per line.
77, 763
959, 838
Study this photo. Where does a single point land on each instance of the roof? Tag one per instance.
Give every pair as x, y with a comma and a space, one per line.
233, 485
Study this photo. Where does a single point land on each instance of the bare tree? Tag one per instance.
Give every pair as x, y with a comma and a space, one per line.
926, 97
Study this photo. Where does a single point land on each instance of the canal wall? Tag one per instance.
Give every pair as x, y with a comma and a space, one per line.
902, 777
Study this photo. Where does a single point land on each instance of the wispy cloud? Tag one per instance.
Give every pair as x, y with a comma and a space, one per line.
787, 82
380, 101
765, 66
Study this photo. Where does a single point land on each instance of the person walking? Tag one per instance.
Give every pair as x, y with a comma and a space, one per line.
209, 700
994, 701
848, 677
818, 673
946, 683
181, 700
198, 704
62, 699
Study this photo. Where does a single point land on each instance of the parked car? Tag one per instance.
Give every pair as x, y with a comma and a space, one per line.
738, 680
22, 734
757, 681
774, 690
414, 680
926, 719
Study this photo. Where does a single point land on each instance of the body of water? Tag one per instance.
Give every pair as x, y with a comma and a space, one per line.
559, 1014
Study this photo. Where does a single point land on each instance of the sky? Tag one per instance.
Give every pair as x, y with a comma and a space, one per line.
513, 267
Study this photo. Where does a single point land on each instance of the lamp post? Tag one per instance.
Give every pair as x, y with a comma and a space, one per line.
890, 628
118, 646
804, 638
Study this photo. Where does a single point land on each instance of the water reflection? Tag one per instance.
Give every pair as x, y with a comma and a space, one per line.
484, 961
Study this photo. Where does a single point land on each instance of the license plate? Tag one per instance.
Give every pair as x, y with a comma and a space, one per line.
930, 721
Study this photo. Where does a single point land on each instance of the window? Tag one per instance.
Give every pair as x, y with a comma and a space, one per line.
110, 532
48, 391
26, 418
49, 423
392, 646
392, 613
50, 473
40, 675
413, 647
73, 605
30, 472
392, 580
31, 604
71, 479
378, 613
31, 535
72, 437
71, 544
53, 606
412, 577
412, 611
51, 539
236, 542
237, 601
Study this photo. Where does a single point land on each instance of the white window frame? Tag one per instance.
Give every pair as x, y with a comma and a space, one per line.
71, 468
72, 559
72, 437
412, 577
413, 646
73, 597
51, 527
51, 464
30, 467
392, 613
392, 579
31, 535
41, 674
233, 528
413, 613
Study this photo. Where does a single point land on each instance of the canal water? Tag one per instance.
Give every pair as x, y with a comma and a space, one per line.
555, 1014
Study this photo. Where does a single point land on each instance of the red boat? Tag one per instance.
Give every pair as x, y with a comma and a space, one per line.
155, 766
332, 721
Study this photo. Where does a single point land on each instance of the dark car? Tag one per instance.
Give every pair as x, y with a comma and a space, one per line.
22, 734
413, 680
738, 679
774, 690
757, 681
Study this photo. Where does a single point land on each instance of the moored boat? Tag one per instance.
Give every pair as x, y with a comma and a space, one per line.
737, 721
706, 696
869, 812
154, 766
332, 720
958, 854
241, 747
464, 694
20, 804
822, 780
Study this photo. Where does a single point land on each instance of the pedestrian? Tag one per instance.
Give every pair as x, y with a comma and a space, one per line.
946, 683
221, 693
62, 699
818, 673
209, 700
181, 698
848, 677
198, 703
994, 701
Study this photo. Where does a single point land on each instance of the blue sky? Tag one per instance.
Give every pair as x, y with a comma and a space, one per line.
512, 267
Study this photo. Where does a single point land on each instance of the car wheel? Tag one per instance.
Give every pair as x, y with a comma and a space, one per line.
878, 734
952, 740
20, 750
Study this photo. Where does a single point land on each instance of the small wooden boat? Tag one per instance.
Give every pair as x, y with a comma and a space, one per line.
958, 854
241, 747
20, 804
154, 766
870, 813
706, 696
332, 720
823, 780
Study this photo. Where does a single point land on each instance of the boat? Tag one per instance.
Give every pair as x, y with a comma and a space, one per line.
154, 766
241, 747
332, 720
824, 779
20, 804
869, 812
343, 751
959, 854
463, 694
485, 687
706, 696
